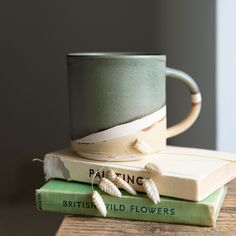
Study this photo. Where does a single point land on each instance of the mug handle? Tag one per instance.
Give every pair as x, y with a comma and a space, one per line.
196, 102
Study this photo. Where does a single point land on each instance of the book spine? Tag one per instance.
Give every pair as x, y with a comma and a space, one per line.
83, 171
127, 207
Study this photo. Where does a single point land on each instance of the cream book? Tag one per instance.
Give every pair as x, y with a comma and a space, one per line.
188, 173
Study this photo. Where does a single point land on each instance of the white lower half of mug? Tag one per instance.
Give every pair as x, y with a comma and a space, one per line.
130, 141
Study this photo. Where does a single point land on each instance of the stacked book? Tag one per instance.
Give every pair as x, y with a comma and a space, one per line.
192, 185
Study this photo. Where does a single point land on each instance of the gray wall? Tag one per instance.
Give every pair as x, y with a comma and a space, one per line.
186, 34
36, 35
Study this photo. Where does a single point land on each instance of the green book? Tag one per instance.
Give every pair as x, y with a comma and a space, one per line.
75, 198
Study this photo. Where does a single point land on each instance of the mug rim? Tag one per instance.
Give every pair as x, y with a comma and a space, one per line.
116, 55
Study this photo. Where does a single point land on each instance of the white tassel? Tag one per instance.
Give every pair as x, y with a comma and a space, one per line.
108, 187
142, 146
153, 168
151, 190
111, 175
99, 203
119, 182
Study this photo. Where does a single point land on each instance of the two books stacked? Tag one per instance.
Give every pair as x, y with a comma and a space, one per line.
191, 185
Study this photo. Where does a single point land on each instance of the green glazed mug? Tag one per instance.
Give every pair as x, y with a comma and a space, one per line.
118, 104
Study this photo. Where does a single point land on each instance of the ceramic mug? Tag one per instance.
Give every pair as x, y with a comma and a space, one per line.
118, 104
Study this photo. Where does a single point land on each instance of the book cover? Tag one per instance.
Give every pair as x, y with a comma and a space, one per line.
188, 173
75, 198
